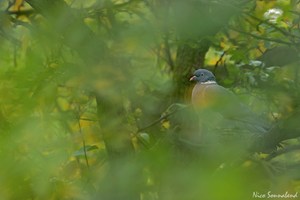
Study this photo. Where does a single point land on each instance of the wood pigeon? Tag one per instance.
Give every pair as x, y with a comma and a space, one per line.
221, 112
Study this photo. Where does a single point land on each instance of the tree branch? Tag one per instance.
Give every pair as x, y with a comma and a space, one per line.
20, 12
163, 116
261, 37
282, 151
282, 31
168, 52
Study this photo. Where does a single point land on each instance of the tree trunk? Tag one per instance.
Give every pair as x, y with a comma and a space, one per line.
189, 57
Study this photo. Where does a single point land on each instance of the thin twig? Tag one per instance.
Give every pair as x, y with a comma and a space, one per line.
168, 52
83, 143
164, 116
282, 151
261, 37
285, 33
219, 60
26, 12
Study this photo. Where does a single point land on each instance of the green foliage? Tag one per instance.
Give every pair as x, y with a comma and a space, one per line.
87, 107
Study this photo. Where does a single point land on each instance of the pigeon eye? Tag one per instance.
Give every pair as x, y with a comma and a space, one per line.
201, 74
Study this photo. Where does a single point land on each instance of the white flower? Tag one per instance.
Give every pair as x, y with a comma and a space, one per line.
272, 14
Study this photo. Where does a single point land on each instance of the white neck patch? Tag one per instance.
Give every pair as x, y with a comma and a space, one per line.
208, 82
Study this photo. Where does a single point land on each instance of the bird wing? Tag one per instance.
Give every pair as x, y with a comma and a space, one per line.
212, 96
216, 98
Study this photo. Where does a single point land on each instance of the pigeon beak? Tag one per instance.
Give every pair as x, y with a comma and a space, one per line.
192, 78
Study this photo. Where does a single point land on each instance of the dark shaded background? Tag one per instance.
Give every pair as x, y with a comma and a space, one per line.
93, 96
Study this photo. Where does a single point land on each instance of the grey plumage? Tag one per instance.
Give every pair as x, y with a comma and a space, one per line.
221, 113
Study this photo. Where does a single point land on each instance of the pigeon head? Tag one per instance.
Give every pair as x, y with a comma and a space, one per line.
203, 76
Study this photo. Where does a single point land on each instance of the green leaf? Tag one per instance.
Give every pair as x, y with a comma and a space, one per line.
83, 150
